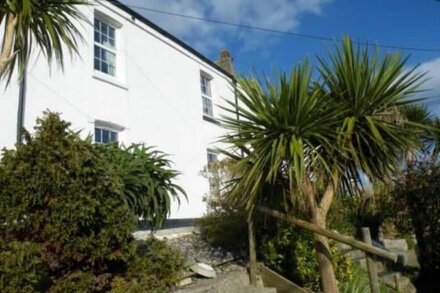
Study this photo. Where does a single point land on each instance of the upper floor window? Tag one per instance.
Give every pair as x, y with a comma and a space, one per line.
205, 84
105, 135
105, 47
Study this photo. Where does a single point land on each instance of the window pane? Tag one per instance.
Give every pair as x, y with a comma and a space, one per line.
105, 136
111, 42
205, 85
104, 67
114, 136
98, 137
207, 107
97, 24
104, 40
97, 63
111, 70
97, 37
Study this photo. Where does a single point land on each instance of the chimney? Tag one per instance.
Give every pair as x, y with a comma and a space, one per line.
225, 61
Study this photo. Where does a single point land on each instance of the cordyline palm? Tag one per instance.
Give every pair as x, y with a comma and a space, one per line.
420, 115
51, 25
326, 132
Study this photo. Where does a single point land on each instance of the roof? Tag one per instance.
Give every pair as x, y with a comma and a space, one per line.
168, 35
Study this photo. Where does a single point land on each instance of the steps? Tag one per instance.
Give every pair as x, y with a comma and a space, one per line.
233, 282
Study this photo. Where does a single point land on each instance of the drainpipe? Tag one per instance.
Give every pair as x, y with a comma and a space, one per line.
21, 107
234, 80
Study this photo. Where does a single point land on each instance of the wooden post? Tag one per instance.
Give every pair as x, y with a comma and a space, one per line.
252, 252
330, 234
372, 270
398, 285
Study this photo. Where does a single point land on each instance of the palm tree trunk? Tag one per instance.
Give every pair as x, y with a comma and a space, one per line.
8, 42
324, 258
318, 217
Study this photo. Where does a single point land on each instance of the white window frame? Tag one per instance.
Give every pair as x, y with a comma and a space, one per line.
207, 95
110, 49
108, 126
111, 132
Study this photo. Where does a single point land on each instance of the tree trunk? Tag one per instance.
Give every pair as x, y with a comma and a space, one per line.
323, 255
318, 217
8, 42
252, 252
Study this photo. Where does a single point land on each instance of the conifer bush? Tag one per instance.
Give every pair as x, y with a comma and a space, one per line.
64, 224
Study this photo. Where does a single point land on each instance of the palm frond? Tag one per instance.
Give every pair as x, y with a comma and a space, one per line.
52, 26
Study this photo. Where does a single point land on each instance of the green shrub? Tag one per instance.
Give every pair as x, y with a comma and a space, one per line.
224, 226
148, 186
290, 251
21, 267
155, 268
417, 207
225, 223
360, 283
350, 213
64, 226
285, 249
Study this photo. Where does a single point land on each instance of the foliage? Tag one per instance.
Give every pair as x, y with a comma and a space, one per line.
285, 249
225, 223
342, 215
349, 123
155, 269
290, 251
417, 204
21, 267
360, 283
224, 226
148, 180
51, 25
64, 224
326, 132
369, 208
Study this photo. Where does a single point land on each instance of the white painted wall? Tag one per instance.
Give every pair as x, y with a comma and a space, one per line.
155, 97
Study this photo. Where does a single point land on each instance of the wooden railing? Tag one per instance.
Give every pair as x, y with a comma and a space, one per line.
366, 246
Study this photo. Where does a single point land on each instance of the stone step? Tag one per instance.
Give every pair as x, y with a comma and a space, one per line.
389, 278
252, 289
231, 282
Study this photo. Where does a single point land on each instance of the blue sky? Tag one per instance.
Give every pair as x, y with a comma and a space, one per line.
408, 23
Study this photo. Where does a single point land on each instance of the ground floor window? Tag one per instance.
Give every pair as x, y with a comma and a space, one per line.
105, 135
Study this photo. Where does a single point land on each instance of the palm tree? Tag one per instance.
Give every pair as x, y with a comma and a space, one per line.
50, 25
419, 114
321, 134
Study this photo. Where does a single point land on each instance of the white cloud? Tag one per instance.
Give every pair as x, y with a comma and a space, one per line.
209, 38
432, 85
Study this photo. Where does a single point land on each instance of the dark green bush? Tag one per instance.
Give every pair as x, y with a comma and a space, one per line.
417, 207
285, 249
148, 186
372, 208
21, 267
64, 226
224, 226
155, 268
290, 251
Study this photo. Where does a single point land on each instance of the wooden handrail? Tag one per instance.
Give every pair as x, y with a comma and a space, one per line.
330, 234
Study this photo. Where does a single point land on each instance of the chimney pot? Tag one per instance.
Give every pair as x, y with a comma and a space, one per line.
225, 61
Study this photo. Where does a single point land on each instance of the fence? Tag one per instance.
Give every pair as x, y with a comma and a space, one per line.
365, 246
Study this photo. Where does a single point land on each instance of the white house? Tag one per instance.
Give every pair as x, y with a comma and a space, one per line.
134, 83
